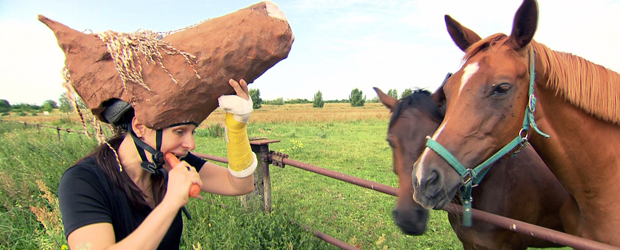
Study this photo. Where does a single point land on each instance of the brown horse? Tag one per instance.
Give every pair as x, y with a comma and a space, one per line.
567, 107
520, 188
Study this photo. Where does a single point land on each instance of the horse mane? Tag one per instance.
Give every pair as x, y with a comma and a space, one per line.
587, 85
584, 84
421, 99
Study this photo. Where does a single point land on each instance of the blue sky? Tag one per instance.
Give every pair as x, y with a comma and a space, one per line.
339, 44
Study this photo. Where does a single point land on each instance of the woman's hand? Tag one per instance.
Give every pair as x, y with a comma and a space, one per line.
180, 179
240, 105
241, 88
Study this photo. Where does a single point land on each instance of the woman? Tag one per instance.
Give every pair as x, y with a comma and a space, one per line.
116, 198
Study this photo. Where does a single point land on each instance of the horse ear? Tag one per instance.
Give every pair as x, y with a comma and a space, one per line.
461, 35
524, 25
389, 101
439, 97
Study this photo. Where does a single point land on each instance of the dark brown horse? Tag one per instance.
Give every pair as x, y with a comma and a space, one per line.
521, 188
512, 88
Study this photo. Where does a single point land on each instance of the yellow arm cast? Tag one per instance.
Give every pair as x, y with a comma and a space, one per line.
241, 160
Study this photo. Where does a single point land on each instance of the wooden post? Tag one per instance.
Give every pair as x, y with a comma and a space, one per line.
266, 186
58, 132
262, 178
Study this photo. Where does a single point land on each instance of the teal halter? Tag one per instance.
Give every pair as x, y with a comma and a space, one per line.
472, 177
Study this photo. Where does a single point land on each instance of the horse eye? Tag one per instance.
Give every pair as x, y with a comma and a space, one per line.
391, 143
501, 89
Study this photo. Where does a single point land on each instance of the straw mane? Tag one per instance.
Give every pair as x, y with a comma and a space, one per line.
126, 48
591, 87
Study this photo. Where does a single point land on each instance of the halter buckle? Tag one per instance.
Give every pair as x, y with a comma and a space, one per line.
525, 135
467, 178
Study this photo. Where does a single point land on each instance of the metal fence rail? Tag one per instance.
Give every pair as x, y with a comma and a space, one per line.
261, 148
57, 128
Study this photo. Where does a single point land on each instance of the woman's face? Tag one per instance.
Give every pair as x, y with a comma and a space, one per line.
178, 139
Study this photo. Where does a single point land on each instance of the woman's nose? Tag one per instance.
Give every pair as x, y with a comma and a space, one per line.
189, 143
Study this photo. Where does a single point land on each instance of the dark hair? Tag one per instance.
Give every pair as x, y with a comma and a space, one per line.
106, 159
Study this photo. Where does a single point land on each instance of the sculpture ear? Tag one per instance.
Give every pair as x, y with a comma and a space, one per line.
389, 101
461, 35
524, 25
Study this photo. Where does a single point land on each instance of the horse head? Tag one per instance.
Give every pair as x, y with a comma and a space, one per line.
486, 102
413, 117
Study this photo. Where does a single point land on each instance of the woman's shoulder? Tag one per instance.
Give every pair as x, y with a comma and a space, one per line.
85, 166
85, 171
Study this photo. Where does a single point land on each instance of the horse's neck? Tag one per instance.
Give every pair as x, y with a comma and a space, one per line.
582, 151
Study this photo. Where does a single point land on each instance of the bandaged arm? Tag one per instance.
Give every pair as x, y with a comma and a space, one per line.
241, 160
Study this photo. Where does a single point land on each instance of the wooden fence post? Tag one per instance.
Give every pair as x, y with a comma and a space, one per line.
58, 132
262, 178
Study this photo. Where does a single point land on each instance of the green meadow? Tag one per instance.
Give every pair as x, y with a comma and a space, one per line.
344, 139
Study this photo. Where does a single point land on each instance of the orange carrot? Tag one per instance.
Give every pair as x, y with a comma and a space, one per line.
194, 190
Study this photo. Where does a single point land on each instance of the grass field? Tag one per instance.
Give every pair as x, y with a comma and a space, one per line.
337, 137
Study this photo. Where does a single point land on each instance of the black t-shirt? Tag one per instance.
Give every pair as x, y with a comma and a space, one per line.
86, 196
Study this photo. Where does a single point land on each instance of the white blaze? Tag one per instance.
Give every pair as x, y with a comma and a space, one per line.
469, 71
418, 172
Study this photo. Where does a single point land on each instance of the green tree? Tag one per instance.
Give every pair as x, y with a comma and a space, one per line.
4, 103
357, 98
406, 92
374, 100
66, 104
257, 102
5, 106
51, 103
278, 101
393, 93
296, 101
47, 107
318, 100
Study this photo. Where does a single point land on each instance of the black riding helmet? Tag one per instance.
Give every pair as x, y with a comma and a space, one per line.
120, 114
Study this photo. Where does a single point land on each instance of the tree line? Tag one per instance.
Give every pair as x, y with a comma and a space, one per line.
356, 99
64, 105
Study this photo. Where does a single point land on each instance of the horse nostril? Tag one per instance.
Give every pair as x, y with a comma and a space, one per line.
431, 179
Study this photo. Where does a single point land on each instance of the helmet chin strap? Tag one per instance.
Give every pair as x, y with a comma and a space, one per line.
155, 167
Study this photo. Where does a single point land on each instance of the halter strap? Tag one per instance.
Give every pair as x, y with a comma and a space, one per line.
155, 167
471, 177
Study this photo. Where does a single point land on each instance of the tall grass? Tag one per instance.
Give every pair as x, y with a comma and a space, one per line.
32, 162
340, 138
